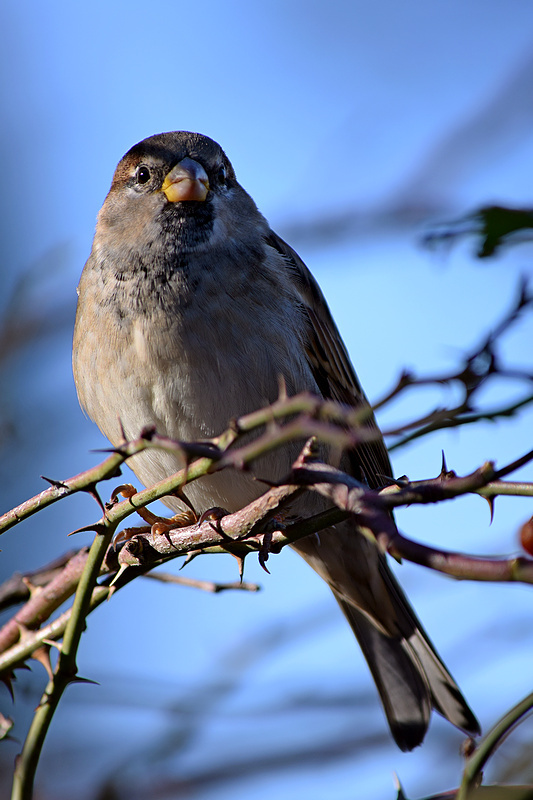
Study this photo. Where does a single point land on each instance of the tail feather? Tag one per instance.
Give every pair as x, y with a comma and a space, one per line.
446, 697
402, 686
401, 682
410, 676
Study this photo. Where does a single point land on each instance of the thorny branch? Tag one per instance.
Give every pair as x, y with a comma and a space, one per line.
248, 529
304, 415
479, 366
257, 527
288, 419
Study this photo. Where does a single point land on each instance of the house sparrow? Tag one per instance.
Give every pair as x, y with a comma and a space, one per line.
190, 309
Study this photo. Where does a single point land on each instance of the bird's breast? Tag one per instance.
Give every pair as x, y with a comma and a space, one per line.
210, 345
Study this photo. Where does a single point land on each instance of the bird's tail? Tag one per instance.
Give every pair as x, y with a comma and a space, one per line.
410, 677
409, 674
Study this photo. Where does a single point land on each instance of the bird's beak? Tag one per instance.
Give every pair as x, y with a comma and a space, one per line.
186, 181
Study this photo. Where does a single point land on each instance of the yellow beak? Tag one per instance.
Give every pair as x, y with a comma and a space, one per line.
186, 181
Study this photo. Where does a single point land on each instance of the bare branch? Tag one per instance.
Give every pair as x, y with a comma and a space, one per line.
205, 586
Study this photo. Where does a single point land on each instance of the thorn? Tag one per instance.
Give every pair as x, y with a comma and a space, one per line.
79, 679
444, 471
111, 592
240, 561
204, 449
92, 491
119, 451
55, 484
491, 501
400, 482
8, 680
264, 552
51, 643
263, 558
121, 571
398, 786
32, 589
96, 527
42, 654
24, 631
190, 556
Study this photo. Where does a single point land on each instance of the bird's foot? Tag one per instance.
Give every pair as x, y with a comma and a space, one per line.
155, 524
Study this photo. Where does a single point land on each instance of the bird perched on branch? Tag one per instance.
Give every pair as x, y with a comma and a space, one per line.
190, 309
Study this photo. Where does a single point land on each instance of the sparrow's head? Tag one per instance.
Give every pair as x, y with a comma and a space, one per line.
175, 191
183, 166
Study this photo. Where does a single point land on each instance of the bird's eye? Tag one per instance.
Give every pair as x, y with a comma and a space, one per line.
143, 175
222, 174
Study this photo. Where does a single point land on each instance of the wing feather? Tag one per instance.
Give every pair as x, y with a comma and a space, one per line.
331, 365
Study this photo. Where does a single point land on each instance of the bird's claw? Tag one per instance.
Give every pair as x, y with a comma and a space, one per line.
155, 524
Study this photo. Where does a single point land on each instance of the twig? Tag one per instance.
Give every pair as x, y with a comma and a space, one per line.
44, 601
370, 509
478, 366
17, 589
454, 418
205, 586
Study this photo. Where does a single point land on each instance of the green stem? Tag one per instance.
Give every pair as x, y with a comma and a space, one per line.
65, 672
476, 762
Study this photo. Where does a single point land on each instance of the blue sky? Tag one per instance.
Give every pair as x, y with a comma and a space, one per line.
397, 115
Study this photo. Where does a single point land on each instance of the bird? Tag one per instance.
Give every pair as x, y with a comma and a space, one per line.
190, 311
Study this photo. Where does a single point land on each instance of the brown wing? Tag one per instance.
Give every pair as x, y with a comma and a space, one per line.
331, 365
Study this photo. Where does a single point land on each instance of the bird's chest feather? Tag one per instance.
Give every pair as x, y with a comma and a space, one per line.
188, 351
193, 349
